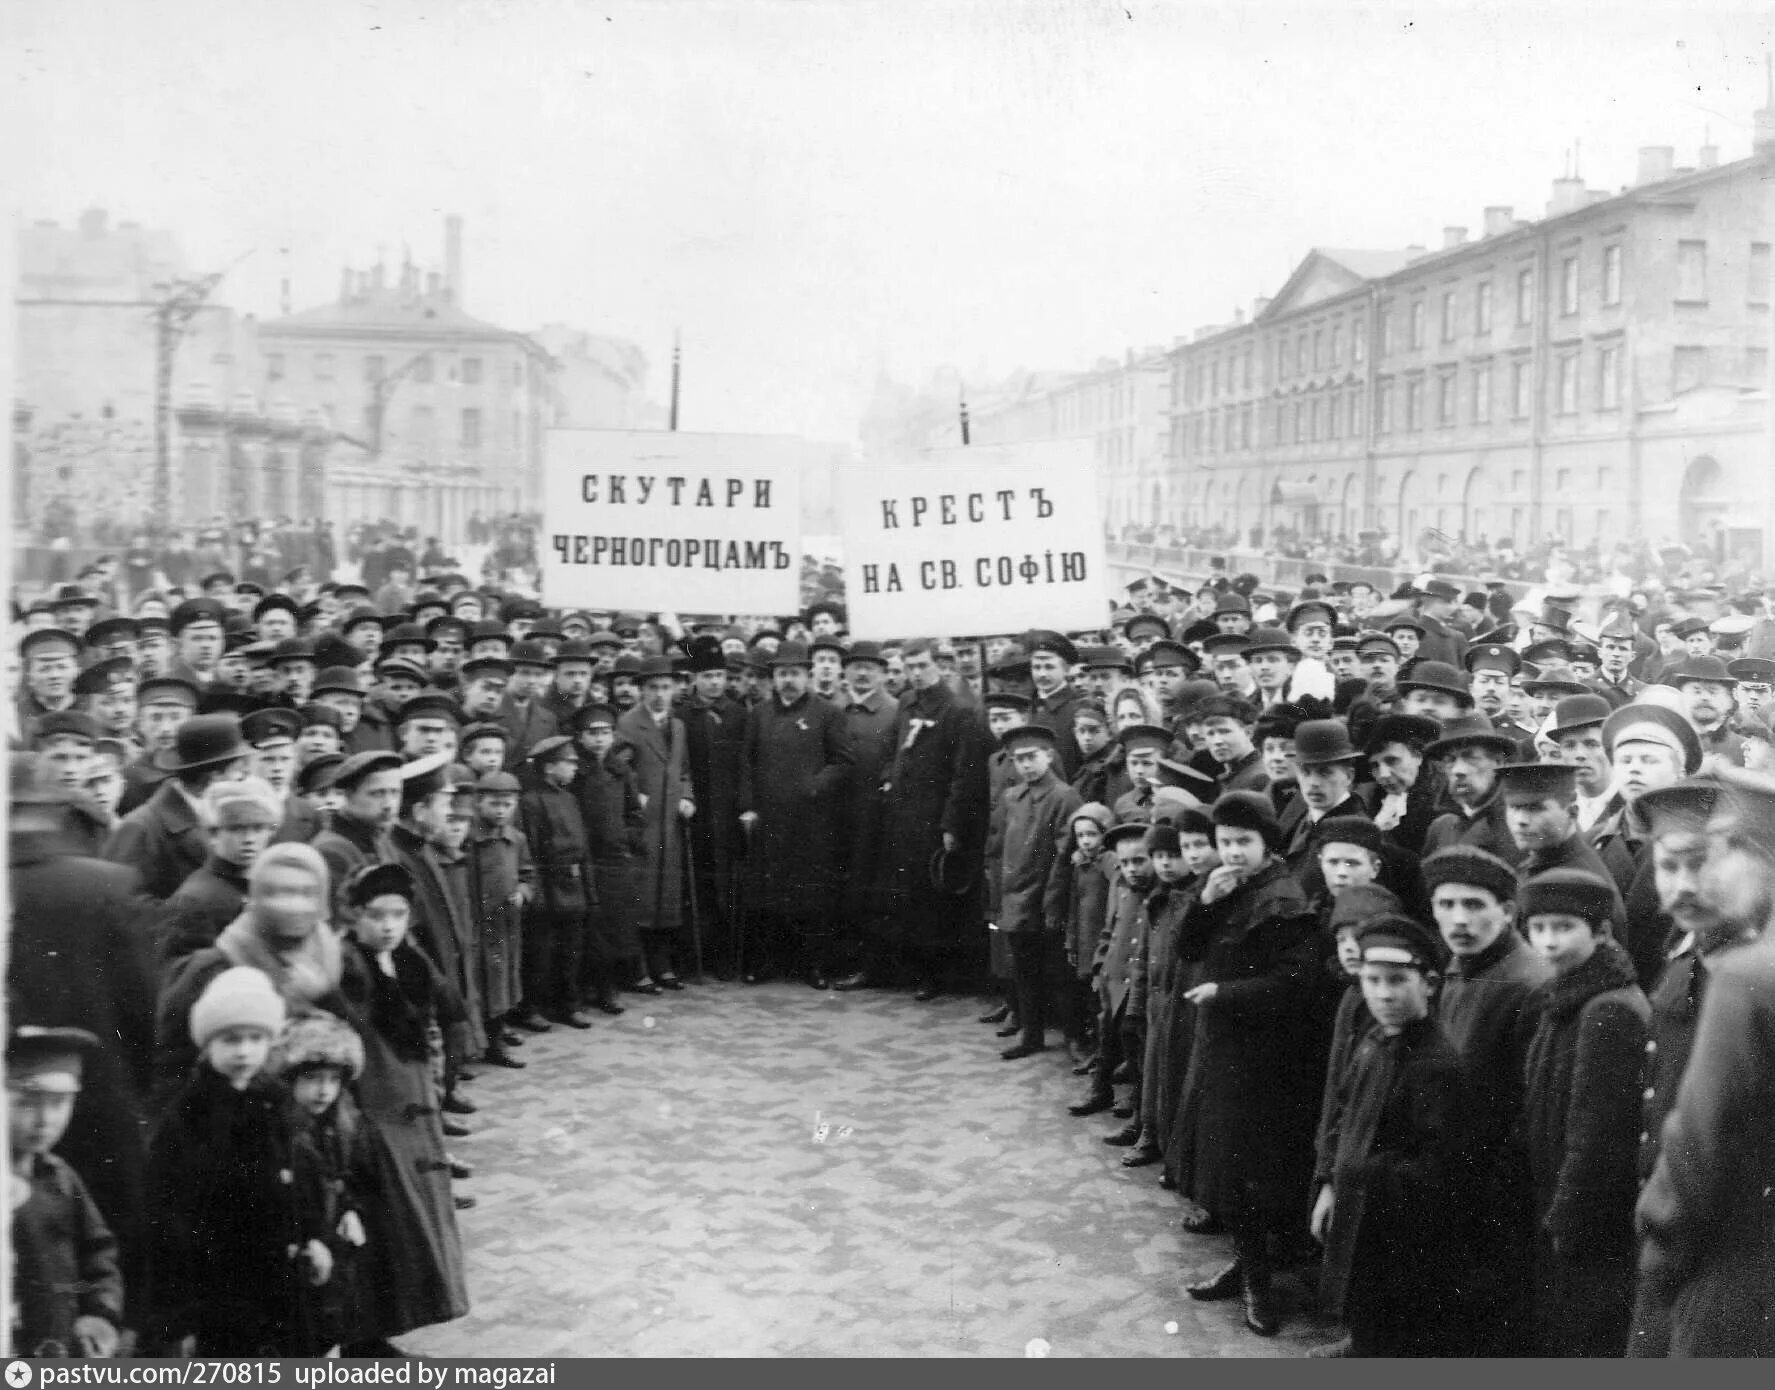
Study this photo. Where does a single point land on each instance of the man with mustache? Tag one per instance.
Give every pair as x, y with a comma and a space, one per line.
1469, 753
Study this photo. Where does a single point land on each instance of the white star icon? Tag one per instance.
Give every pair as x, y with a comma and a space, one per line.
18, 1374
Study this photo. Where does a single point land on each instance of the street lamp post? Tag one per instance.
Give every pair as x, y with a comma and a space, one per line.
382, 390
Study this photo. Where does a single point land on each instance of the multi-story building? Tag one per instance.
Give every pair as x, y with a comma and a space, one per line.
1598, 375
139, 392
450, 409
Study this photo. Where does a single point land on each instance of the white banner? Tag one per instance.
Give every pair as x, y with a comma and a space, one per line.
989, 538
655, 519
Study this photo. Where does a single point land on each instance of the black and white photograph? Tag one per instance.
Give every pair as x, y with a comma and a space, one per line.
887, 679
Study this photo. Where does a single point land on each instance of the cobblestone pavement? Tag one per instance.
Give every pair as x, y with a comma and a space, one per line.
772, 1171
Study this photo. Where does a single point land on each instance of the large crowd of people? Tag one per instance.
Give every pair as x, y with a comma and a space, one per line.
1414, 940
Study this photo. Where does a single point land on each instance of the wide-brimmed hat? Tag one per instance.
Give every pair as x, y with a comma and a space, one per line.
1437, 675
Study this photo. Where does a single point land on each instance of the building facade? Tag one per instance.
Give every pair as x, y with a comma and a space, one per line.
1600, 375
449, 409
91, 306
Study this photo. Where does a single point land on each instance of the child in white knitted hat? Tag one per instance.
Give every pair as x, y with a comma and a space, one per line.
228, 1240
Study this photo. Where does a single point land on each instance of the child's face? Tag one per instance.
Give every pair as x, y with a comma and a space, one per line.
381, 923
597, 740
1563, 939
318, 740
497, 808
1239, 849
487, 755
999, 719
1091, 735
1088, 836
37, 1118
1349, 953
238, 1054
560, 772
1396, 994
456, 827
1168, 867
325, 800
317, 1088
1346, 866
1199, 855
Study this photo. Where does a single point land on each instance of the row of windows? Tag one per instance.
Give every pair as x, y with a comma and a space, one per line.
1472, 308
471, 372
422, 425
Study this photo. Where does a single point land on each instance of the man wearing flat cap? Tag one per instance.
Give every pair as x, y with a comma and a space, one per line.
1541, 809
1053, 698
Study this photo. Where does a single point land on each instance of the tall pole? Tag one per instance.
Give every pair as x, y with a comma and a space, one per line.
672, 424
965, 436
171, 316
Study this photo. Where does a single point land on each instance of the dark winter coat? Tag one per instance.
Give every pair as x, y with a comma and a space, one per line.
1087, 906
499, 866
715, 741
1581, 1121
412, 1272
1251, 1101
525, 725
334, 1170
1676, 1008
1485, 830
1120, 955
1421, 810
870, 729
1038, 819
1161, 1078
664, 780
936, 784
1707, 1217
81, 955
610, 807
1055, 712
443, 926
205, 903
1399, 1145
65, 1261
1575, 853
794, 767
222, 1214
1626, 851
556, 833
348, 845
161, 840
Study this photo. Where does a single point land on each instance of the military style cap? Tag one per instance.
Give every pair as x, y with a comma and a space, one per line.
1536, 781
103, 676
1392, 938
429, 706
1493, 656
266, 728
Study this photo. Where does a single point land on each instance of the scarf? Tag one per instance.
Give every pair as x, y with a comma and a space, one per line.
303, 976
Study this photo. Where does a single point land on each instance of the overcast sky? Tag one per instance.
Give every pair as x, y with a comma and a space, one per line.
810, 188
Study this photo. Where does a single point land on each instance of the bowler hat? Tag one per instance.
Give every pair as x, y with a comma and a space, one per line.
1471, 729
1701, 668
1319, 741
866, 651
206, 739
1438, 675
1579, 712
790, 654
1413, 730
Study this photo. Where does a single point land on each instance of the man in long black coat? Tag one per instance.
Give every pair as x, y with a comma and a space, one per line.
81, 956
934, 803
870, 715
793, 768
715, 740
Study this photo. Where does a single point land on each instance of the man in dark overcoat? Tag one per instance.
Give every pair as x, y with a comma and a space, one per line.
933, 811
81, 956
715, 738
164, 840
870, 714
657, 740
792, 770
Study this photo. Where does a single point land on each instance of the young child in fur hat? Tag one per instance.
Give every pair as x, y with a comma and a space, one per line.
228, 1242
319, 1057
67, 1291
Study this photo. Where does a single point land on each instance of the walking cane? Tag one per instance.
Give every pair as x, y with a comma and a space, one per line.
741, 886
696, 921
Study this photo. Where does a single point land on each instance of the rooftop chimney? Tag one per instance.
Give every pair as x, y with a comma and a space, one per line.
1453, 237
92, 222
1655, 163
1568, 195
1499, 220
1238, 317
1707, 157
1414, 250
1258, 305
453, 257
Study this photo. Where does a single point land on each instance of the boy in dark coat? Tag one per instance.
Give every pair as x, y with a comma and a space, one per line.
555, 927
67, 1292
502, 878
1394, 1167
1085, 872
610, 808
1581, 1114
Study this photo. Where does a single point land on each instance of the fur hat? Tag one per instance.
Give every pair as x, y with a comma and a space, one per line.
1248, 811
319, 1040
244, 801
1469, 865
239, 997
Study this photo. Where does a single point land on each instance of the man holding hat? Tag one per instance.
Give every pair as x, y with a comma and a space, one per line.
164, 839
